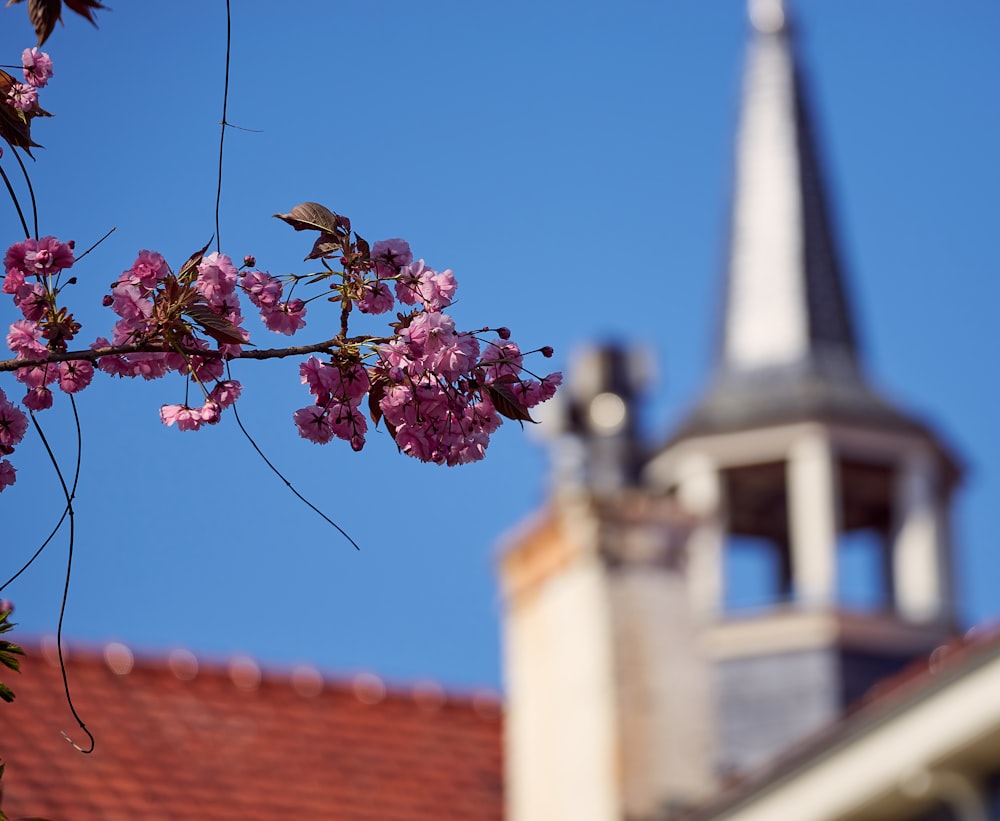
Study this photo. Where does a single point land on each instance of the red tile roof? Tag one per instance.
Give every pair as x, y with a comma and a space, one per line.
178, 739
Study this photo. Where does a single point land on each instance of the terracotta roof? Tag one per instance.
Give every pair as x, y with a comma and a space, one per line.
181, 739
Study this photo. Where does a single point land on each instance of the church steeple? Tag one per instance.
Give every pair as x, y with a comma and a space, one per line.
793, 460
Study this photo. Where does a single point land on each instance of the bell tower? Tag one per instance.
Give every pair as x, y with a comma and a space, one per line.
806, 483
609, 713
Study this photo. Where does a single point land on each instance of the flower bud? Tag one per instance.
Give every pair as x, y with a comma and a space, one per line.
250, 261
503, 333
547, 351
108, 301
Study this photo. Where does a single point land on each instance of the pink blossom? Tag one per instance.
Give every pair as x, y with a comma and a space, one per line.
32, 300
409, 280
313, 424
226, 393
35, 375
347, 422
39, 257
285, 317
455, 358
502, 359
75, 376
185, 417
147, 365
416, 443
435, 291
111, 365
13, 424
428, 331
216, 278
377, 298
37, 67
129, 302
7, 472
148, 269
38, 399
390, 255
346, 382
210, 412
23, 339
22, 96
14, 279
263, 289
396, 354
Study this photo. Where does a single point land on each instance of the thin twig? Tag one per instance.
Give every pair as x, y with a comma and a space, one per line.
92, 247
288, 484
69, 571
31, 191
17, 204
222, 131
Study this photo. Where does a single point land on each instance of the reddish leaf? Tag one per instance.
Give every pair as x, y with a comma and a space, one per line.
85, 8
375, 394
326, 246
311, 216
363, 247
43, 15
217, 327
506, 403
193, 261
15, 125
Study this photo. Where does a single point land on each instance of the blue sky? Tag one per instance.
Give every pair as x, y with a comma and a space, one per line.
571, 164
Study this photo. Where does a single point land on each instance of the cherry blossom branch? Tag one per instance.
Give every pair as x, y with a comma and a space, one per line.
93, 354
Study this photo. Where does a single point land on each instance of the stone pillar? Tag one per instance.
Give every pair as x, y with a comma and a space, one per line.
918, 561
699, 492
814, 514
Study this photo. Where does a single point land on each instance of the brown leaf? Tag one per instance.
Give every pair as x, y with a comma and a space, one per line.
43, 15
506, 403
217, 327
192, 263
364, 249
15, 125
375, 394
325, 246
85, 8
311, 216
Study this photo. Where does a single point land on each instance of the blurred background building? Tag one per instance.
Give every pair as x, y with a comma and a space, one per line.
683, 620
753, 618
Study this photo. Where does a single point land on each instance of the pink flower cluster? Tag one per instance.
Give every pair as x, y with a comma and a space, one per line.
440, 394
265, 292
13, 424
37, 67
338, 390
223, 395
32, 269
140, 298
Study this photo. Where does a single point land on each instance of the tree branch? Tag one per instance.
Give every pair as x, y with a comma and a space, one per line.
93, 354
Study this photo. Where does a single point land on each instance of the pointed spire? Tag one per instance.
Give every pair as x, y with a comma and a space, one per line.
785, 304
787, 347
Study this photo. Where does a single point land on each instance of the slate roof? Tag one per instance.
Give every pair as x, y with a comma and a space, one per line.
918, 681
178, 738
